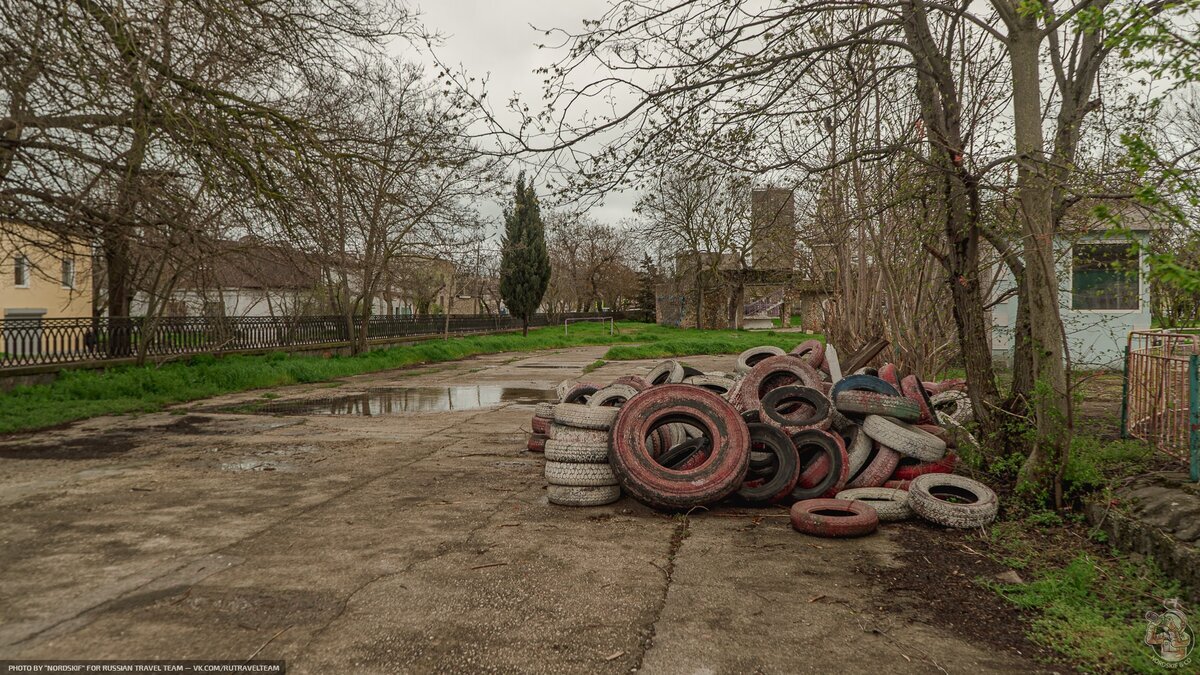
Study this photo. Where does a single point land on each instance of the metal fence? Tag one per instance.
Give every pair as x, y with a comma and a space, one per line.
1162, 393
33, 342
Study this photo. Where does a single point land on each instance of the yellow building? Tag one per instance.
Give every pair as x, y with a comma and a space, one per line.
43, 279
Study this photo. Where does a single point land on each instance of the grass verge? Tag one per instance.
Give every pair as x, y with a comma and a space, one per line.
79, 394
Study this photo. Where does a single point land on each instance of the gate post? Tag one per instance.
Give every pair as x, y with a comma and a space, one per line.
1125, 396
1194, 414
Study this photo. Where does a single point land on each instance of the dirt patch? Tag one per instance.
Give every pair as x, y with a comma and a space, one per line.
938, 583
97, 446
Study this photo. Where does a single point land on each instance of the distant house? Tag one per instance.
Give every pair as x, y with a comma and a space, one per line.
42, 277
1104, 290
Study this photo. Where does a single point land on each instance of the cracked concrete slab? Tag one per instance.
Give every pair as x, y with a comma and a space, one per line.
420, 542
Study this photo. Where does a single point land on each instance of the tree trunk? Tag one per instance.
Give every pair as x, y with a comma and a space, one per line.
116, 263
1051, 405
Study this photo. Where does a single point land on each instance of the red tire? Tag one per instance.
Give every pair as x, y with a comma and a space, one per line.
636, 381
541, 425
897, 484
834, 518
768, 374
764, 491
537, 443
812, 352
910, 470
649, 482
889, 374
878, 470
912, 387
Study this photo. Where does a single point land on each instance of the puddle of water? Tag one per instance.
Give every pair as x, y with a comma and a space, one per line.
399, 400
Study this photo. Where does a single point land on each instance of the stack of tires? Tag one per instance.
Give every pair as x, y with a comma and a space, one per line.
543, 417
577, 467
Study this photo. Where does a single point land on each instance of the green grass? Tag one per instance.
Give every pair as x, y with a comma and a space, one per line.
79, 394
795, 321
1091, 611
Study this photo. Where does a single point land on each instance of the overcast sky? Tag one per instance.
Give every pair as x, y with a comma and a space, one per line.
496, 38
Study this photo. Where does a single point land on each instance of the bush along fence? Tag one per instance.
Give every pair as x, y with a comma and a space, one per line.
1161, 401
37, 342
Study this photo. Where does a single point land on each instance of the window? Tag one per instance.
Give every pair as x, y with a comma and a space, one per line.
68, 273
21, 271
1105, 277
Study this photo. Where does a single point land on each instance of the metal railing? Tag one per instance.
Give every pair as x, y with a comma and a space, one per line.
1161, 401
35, 342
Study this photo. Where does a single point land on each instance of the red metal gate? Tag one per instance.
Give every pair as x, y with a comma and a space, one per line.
1162, 393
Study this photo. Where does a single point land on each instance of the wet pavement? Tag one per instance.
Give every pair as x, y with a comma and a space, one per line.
377, 401
420, 542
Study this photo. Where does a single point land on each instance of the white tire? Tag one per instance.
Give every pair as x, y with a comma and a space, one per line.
758, 354
584, 417
952, 501
565, 495
613, 396
580, 475
858, 452
576, 435
576, 453
720, 385
544, 410
955, 404
904, 438
963, 439
890, 504
672, 370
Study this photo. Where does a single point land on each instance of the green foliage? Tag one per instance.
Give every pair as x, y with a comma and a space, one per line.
524, 259
1094, 463
1091, 611
79, 394
648, 277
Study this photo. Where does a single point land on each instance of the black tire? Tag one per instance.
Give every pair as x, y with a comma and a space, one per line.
793, 394
824, 443
863, 383
766, 438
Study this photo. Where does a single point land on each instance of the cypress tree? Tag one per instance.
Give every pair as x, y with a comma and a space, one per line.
524, 260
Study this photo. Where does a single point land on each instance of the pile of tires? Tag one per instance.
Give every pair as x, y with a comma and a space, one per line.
786, 428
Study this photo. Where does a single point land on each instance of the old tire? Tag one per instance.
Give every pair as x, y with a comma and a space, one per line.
720, 385
576, 393
862, 382
953, 501
576, 453
540, 425
891, 505
614, 395
636, 381
955, 404
834, 518
751, 357
905, 439
811, 352
667, 372
909, 469
769, 440
873, 403
579, 475
823, 464
858, 449
545, 410
890, 374
812, 408
584, 417
878, 469
640, 474
536, 443
914, 390
565, 495
770, 373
